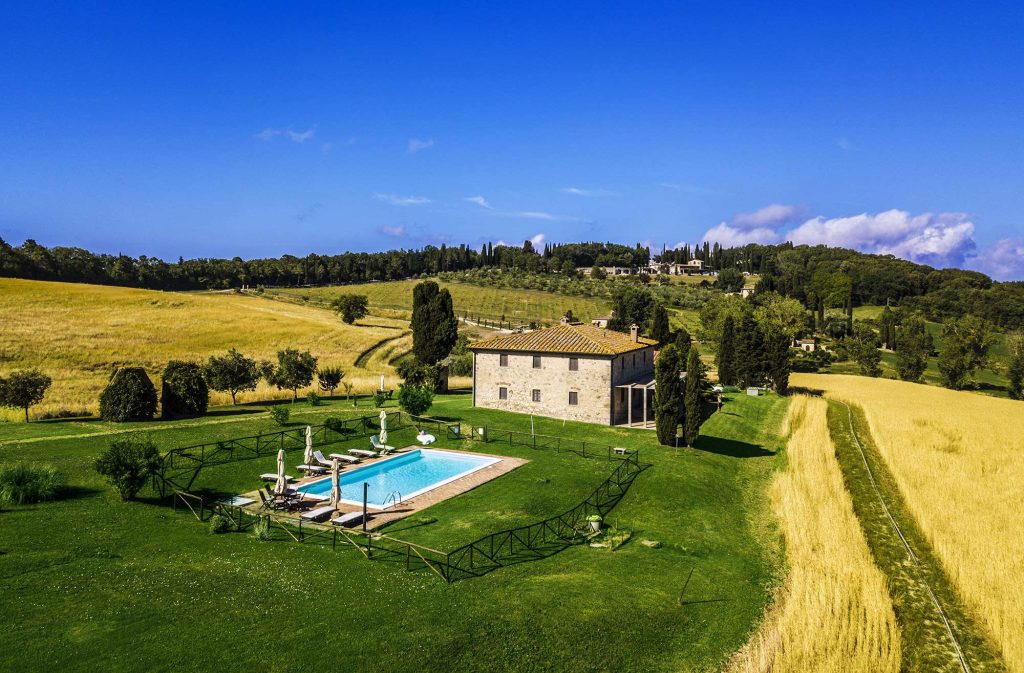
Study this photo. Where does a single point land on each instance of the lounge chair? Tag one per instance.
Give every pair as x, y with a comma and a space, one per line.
350, 519
345, 457
318, 456
312, 469
318, 514
272, 476
383, 448
364, 453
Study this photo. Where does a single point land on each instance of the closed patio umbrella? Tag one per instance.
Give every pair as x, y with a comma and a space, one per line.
307, 458
335, 483
383, 427
281, 485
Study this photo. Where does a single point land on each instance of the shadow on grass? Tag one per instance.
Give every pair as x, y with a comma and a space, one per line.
76, 492
233, 411
730, 447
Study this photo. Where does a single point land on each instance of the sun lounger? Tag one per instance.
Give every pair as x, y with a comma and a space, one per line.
383, 448
312, 469
318, 514
350, 519
345, 457
318, 456
363, 452
272, 476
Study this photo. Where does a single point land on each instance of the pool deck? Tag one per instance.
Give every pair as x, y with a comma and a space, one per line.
378, 518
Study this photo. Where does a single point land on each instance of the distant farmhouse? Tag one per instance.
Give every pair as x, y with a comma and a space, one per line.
693, 267
570, 371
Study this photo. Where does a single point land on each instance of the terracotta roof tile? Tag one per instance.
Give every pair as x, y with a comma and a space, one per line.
581, 339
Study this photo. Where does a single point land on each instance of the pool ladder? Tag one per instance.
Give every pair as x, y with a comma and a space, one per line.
395, 497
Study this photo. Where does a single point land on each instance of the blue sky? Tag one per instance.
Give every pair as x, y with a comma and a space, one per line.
205, 129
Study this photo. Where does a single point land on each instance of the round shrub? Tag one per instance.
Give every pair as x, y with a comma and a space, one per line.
127, 464
220, 524
24, 483
415, 399
313, 399
184, 392
280, 414
130, 396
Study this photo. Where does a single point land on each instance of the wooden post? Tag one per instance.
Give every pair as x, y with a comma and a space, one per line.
366, 488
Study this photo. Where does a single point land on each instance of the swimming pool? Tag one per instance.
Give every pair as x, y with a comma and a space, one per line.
408, 474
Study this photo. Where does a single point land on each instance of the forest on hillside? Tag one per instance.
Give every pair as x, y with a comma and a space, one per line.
816, 275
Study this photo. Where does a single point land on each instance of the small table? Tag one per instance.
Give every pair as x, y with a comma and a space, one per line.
426, 439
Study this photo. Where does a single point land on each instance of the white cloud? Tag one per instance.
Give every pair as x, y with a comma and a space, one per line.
944, 239
730, 235
769, 217
396, 231
397, 200
537, 240
417, 145
670, 185
941, 240
267, 134
1003, 261
480, 201
578, 191
534, 215
300, 137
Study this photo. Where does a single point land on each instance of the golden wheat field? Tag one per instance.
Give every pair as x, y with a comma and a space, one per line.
77, 334
958, 459
833, 613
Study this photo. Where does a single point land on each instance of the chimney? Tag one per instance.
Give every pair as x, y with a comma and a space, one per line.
567, 318
634, 333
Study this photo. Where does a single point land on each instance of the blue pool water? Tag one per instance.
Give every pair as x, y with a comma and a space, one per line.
409, 474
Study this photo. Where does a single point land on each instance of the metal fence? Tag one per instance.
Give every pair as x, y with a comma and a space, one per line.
181, 466
531, 542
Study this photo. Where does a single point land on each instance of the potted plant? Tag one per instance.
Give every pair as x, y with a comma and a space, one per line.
595, 522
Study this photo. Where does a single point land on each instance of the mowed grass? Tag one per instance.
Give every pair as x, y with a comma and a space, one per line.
958, 462
77, 334
833, 614
91, 582
488, 302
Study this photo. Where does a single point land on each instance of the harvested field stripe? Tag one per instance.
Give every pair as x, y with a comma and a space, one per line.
364, 357
906, 545
939, 635
833, 613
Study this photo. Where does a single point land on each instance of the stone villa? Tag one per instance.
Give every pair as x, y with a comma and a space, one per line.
571, 371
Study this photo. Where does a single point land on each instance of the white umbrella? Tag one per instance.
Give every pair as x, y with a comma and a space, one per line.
335, 483
383, 427
382, 383
308, 457
281, 486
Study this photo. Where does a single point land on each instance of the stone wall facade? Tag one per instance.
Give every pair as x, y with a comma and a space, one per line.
592, 382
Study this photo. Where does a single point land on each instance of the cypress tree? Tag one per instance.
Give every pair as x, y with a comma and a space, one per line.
435, 329
727, 353
776, 357
660, 331
693, 397
749, 352
682, 339
667, 394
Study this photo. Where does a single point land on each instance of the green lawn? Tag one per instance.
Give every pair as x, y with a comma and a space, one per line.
91, 582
